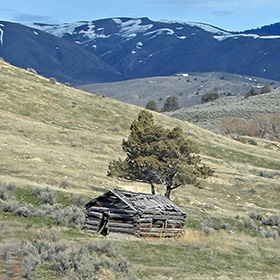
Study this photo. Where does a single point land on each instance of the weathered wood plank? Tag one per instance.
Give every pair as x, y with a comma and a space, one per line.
159, 230
176, 222
118, 220
91, 222
121, 225
94, 214
92, 218
98, 209
123, 211
122, 230
121, 216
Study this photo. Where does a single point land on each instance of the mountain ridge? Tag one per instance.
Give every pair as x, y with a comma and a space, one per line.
140, 47
52, 56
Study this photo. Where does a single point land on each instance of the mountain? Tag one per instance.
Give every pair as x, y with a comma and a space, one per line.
143, 48
188, 88
52, 56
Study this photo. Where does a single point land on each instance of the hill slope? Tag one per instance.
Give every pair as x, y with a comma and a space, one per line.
188, 88
211, 114
51, 134
52, 56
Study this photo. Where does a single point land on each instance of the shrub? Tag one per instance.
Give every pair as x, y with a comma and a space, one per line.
250, 224
73, 260
253, 142
273, 220
53, 81
268, 233
46, 196
265, 89
71, 215
226, 226
5, 191
234, 126
32, 71
64, 184
256, 216
210, 96
206, 226
252, 92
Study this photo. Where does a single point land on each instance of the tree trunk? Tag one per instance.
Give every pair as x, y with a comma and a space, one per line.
168, 191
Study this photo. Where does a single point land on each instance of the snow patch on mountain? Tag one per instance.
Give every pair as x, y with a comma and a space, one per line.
117, 20
236, 36
130, 28
1, 34
204, 26
91, 34
139, 45
160, 32
59, 30
208, 28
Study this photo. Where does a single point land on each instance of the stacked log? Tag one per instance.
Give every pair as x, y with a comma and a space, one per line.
119, 220
146, 215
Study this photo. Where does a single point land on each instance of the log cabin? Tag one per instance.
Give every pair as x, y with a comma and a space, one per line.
138, 214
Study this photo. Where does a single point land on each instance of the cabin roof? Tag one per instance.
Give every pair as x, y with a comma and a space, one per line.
141, 202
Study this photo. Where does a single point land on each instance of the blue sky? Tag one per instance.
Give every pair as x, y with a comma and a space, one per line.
233, 15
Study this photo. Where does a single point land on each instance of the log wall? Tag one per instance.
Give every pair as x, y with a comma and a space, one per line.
129, 222
125, 219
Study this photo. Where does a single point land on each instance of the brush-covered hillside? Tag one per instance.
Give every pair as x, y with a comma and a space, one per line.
210, 115
188, 88
56, 143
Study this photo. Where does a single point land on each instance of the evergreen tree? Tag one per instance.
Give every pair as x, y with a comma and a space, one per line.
158, 156
171, 104
152, 105
209, 96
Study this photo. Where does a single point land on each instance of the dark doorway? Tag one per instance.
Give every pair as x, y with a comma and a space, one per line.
104, 224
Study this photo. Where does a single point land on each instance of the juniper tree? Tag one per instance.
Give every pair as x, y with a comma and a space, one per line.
152, 105
158, 156
171, 104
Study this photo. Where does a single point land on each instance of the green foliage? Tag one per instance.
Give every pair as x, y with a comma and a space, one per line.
152, 105
209, 96
171, 104
159, 156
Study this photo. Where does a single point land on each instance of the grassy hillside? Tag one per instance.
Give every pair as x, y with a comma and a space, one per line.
210, 115
62, 138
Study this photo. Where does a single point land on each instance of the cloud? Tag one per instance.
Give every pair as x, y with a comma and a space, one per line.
33, 18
